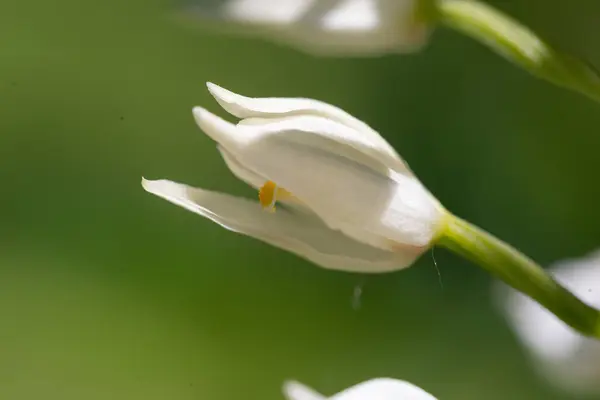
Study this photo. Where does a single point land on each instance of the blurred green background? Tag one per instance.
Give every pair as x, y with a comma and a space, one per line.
107, 292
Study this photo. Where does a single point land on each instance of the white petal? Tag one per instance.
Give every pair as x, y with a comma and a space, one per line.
280, 12
323, 134
256, 181
300, 234
374, 389
360, 135
327, 27
380, 210
389, 23
384, 389
242, 173
563, 355
297, 391
223, 132
353, 15
275, 107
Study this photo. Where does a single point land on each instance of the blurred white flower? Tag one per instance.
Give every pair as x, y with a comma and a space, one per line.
349, 201
564, 357
374, 389
324, 27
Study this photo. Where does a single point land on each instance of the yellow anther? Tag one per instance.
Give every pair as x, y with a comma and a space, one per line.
269, 193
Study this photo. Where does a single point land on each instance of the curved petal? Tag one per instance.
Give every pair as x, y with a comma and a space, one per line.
223, 132
323, 134
384, 389
239, 171
381, 210
300, 234
278, 108
256, 181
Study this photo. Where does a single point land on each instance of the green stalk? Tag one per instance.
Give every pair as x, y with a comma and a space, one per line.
518, 44
520, 272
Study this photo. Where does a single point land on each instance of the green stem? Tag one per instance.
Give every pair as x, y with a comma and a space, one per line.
518, 44
520, 272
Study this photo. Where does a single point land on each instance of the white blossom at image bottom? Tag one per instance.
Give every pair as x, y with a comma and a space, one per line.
374, 389
564, 357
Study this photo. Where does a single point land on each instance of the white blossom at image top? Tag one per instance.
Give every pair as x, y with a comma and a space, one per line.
348, 201
563, 356
374, 389
324, 27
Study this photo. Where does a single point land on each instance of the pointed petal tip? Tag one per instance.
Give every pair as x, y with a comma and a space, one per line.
213, 87
204, 117
216, 91
235, 104
145, 183
201, 116
289, 384
295, 390
220, 93
218, 129
199, 112
152, 186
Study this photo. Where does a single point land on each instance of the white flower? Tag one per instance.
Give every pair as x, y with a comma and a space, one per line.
349, 201
559, 353
374, 389
326, 27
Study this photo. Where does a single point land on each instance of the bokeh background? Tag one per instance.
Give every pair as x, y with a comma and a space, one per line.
107, 292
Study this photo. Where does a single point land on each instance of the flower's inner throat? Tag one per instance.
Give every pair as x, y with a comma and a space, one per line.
269, 193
